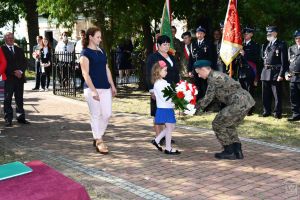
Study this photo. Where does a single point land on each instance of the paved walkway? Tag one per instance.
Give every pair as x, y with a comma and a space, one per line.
60, 136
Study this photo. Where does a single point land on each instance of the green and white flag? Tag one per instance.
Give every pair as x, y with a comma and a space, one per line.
166, 24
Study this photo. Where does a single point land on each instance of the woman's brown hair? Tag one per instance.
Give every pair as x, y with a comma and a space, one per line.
90, 32
49, 45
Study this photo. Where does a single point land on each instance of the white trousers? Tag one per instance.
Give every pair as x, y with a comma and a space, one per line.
100, 111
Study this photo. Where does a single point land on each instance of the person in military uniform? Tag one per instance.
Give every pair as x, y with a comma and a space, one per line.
294, 77
201, 50
275, 58
247, 63
178, 46
219, 64
237, 104
187, 40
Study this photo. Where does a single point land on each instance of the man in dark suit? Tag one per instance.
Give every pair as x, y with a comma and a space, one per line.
201, 50
248, 62
294, 77
14, 84
275, 58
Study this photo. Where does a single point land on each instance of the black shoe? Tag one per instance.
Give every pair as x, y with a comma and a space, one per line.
277, 116
237, 148
156, 145
228, 153
176, 152
8, 123
35, 89
293, 119
266, 114
23, 121
163, 141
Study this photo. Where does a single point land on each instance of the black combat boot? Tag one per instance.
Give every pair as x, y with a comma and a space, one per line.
228, 153
237, 148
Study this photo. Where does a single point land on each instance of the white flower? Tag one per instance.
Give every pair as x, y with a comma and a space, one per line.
190, 109
188, 96
180, 88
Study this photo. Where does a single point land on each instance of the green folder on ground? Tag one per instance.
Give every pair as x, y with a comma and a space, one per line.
13, 169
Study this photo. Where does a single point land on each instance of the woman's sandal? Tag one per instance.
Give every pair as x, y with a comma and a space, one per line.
172, 152
101, 147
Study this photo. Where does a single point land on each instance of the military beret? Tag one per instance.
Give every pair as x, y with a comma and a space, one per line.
187, 33
201, 29
248, 30
297, 33
270, 29
221, 24
202, 63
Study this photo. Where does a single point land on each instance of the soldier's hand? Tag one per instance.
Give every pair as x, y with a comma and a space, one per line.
279, 78
191, 75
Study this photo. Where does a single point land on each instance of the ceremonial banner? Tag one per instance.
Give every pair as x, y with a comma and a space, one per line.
232, 38
166, 24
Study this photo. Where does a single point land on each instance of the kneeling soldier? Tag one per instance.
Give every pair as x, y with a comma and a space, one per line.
238, 103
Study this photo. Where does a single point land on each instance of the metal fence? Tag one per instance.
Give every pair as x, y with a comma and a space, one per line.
67, 77
66, 73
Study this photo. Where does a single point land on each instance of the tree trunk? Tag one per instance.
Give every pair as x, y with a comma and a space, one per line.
148, 44
32, 22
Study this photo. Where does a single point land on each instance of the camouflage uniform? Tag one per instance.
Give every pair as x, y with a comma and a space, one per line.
237, 100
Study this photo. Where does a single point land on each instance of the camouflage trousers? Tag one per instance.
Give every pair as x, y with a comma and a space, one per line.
226, 122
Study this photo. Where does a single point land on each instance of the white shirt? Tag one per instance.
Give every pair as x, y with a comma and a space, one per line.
78, 47
170, 61
161, 102
247, 42
62, 48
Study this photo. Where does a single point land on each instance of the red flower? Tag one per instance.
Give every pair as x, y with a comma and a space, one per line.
180, 95
193, 101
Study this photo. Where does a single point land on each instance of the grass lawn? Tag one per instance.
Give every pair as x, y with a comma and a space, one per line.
30, 75
131, 100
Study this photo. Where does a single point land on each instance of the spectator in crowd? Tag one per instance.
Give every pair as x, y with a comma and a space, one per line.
37, 56
202, 50
187, 49
178, 45
14, 84
163, 43
275, 56
99, 87
78, 49
45, 64
64, 50
294, 77
123, 59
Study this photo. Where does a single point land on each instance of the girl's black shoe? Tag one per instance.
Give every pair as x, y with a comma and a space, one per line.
156, 145
176, 152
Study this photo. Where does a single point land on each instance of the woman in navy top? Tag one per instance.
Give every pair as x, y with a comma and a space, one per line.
99, 87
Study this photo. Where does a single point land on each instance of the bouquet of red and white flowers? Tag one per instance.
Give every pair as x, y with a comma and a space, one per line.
183, 95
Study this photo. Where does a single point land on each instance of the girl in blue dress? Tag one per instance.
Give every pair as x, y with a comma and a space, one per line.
165, 108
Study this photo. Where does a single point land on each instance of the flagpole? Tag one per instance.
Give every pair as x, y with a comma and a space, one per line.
230, 70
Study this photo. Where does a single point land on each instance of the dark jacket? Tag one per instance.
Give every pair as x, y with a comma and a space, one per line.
202, 52
173, 71
48, 56
294, 58
275, 60
16, 61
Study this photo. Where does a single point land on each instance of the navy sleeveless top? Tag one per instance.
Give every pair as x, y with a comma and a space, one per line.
97, 68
